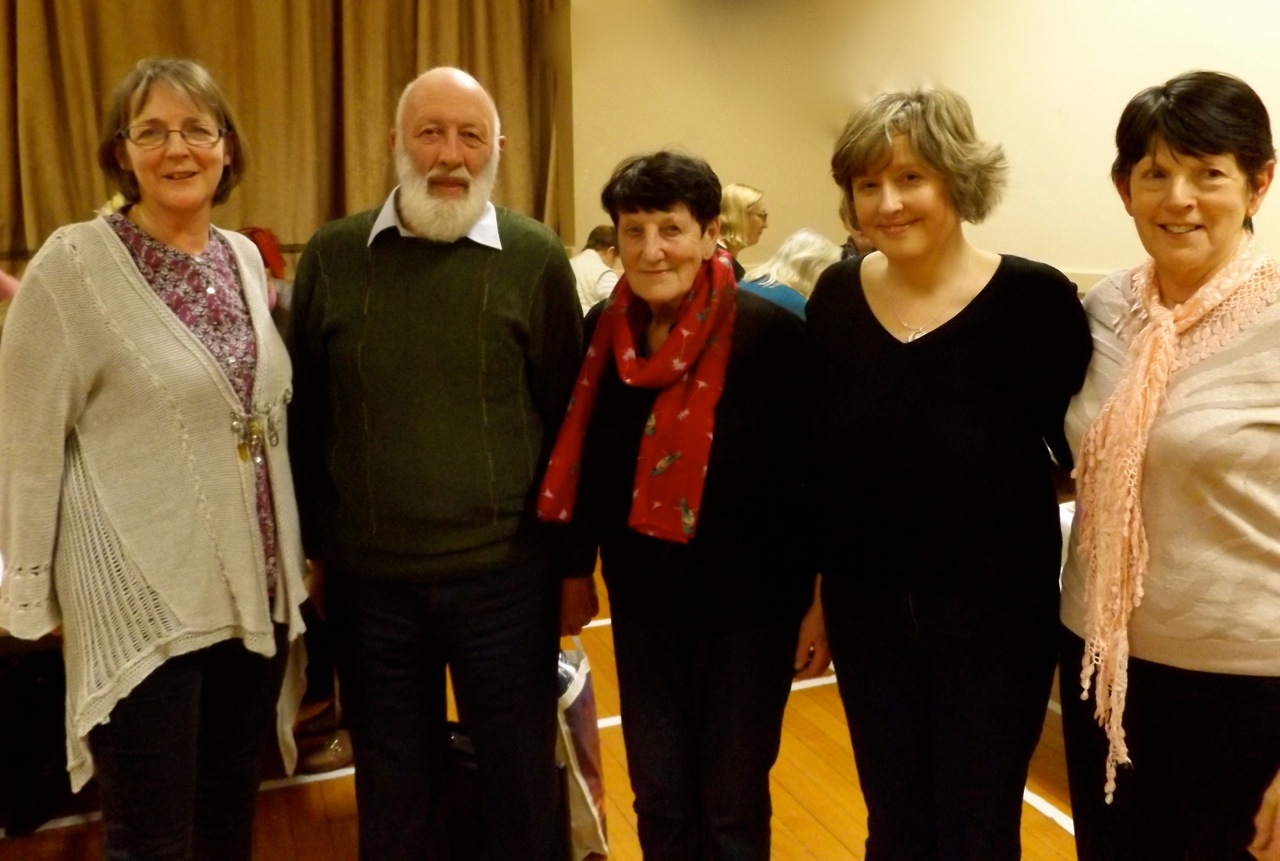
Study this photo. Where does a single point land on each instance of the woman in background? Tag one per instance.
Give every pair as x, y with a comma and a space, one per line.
673, 463
943, 372
788, 277
742, 219
8, 286
146, 502
1171, 593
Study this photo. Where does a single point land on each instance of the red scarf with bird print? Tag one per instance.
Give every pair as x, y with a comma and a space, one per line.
689, 370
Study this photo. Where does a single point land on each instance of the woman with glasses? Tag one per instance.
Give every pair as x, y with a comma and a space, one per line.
742, 219
146, 502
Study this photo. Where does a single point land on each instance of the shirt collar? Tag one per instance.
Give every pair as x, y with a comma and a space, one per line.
484, 231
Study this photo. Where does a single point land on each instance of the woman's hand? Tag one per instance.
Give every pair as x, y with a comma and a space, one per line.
579, 604
812, 655
1266, 840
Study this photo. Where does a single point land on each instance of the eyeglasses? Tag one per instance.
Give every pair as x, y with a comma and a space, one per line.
763, 216
152, 137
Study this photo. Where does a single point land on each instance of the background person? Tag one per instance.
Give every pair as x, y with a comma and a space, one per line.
593, 267
858, 244
943, 371
1171, 593
787, 278
435, 341
742, 219
8, 286
702, 543
146, 501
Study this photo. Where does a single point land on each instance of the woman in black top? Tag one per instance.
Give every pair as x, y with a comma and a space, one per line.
679, 461
943, 372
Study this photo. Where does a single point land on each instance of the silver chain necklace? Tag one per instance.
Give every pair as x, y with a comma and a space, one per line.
918, 332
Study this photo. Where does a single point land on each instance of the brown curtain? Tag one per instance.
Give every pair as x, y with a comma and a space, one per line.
314, 84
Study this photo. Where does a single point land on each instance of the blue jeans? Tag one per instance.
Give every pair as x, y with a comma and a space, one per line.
179, 758
946, 698
702, 722
497, 634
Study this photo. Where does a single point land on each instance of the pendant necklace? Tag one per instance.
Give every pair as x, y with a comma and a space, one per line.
918, 332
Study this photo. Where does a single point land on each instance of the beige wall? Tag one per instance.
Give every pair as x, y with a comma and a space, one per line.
760, 87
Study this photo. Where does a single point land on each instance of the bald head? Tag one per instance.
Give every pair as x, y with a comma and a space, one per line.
446, 82
446, 143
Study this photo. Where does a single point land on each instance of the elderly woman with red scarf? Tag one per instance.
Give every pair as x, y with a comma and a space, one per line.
677, 463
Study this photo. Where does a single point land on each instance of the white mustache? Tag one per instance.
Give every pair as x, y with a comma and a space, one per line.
459, 172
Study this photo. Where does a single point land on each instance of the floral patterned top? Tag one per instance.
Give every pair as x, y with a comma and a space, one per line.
205, 293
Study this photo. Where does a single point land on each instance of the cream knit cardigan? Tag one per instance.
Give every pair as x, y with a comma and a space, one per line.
127, 514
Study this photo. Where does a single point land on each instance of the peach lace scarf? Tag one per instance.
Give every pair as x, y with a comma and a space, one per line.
1112, 539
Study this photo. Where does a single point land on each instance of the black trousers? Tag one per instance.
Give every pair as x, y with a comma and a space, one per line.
497, 634
702, 722
178, 761
1203, 746
945, 700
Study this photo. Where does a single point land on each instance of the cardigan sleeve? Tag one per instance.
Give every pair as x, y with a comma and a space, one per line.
41, 395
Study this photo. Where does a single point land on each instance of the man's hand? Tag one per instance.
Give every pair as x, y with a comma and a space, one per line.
314, 582
579, 604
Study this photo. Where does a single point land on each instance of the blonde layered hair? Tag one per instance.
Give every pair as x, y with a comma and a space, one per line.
939, 126
734, 201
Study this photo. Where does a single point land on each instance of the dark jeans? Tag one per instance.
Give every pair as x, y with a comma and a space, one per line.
1204, 747
702, 722
946, 699
178, 760
497, 634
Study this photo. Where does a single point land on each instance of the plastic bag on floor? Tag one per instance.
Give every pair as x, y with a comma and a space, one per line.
578, 752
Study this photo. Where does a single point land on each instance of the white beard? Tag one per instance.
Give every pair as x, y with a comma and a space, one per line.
437, 218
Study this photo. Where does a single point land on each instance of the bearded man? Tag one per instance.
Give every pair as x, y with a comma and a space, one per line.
435, 342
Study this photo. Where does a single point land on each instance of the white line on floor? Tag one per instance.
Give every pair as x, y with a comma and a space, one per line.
1063, 820
814, 683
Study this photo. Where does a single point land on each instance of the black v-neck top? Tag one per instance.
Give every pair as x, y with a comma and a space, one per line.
933, 455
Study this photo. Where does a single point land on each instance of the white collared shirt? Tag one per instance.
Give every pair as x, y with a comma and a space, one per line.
484, 231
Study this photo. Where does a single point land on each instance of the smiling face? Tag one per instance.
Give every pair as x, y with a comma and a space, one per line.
661, 253
446, 150
447, 130
1189, 212
903, 206
176, 179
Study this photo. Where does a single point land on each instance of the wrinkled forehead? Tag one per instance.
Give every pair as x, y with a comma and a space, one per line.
449, 101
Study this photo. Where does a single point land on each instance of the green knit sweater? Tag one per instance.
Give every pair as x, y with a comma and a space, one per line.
430, 380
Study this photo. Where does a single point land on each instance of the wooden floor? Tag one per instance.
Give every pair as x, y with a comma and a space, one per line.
819, 813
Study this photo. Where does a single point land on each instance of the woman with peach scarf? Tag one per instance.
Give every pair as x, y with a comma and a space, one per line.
1171, 594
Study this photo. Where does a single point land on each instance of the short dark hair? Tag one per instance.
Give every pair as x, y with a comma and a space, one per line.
192, 81
660, 181
601, 238
1196, 114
